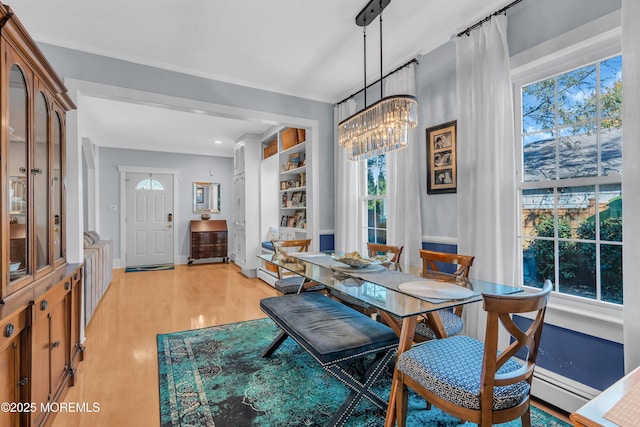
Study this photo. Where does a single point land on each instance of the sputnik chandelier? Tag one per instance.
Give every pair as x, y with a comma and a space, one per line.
384, 126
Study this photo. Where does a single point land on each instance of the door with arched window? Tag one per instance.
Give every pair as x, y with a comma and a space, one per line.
149, 219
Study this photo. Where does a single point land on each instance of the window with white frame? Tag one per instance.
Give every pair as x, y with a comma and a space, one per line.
374, 203
570, 190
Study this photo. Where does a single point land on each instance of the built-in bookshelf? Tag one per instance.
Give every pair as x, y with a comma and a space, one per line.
285, 155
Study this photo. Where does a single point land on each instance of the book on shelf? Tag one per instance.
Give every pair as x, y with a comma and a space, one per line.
295, 198
301, 219
284, 220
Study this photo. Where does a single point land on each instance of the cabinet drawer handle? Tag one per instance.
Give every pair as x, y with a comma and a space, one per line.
23, 381
55, 344
36, 171
43, 305
67, 285
8, 330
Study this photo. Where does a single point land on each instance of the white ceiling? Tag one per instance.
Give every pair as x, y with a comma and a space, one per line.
311, 49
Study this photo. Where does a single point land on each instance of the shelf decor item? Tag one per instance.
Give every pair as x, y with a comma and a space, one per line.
383, 126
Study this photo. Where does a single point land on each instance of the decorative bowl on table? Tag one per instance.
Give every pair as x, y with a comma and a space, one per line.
355, 260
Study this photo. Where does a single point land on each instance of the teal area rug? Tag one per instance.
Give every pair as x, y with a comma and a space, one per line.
216, 376
158, 267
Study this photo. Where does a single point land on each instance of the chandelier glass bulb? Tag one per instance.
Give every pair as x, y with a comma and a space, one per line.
380, 128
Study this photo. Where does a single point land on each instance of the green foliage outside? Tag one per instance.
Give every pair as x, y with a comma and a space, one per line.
578, 260
610, 256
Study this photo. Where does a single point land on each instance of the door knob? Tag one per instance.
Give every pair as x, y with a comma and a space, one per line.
170, 218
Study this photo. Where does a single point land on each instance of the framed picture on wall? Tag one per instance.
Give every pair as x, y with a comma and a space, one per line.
441, 159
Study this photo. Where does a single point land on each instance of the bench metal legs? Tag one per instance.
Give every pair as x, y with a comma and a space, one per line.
359, 389
275, 344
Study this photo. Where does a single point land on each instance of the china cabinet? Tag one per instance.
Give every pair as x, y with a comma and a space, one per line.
40, 293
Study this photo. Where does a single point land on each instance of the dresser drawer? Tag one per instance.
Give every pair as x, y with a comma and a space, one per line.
209, 237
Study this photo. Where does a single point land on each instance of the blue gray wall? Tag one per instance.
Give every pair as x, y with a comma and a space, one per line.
108, 71
192, 168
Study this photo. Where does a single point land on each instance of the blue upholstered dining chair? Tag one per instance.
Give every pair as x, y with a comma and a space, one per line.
393, 255
289, 283
472, 380
451, 320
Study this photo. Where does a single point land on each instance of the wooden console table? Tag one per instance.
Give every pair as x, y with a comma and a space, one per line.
208, 240
592, 414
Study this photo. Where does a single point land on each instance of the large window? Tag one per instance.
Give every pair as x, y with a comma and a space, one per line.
570, 181
374, 200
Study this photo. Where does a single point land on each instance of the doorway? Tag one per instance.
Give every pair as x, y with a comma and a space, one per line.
149, 218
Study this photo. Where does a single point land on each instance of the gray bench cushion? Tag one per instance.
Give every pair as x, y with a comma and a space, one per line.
328, 330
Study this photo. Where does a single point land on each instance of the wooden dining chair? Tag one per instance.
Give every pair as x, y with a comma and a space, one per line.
443, 323
290, 283
472, 380
394, 255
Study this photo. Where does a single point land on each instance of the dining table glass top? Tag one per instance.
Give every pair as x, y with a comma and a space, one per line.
402, 294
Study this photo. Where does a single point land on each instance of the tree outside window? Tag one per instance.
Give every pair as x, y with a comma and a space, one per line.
570, 192
375, 200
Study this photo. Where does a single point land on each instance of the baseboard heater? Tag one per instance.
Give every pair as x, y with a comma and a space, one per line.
559, 391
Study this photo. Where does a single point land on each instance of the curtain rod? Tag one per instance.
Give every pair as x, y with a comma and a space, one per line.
412, 61
488, 18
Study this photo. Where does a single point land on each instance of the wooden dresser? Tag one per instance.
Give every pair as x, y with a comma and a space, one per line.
208, 240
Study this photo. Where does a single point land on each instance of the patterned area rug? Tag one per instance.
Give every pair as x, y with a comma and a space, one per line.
217, 377
149, 268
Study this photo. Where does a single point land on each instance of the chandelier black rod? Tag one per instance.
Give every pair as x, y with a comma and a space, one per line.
411, 61
467, 31
381, 77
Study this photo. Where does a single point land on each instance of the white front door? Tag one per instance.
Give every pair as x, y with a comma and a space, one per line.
149, 219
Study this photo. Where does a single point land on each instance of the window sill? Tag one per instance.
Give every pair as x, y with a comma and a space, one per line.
598, 319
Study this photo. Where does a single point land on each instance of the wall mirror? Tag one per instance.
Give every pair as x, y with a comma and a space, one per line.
206, 197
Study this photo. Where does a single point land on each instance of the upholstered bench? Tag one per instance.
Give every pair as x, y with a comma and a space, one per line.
333, 333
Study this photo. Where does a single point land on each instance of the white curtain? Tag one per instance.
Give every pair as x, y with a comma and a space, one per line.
346, 183
631, 180
404, 224
487, 212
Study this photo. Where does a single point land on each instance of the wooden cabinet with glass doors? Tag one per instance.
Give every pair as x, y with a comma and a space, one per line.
40, 293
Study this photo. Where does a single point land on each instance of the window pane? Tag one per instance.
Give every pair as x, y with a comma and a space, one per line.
611, 273
577, 268
611, 212
611, 87
377, 176
539, 156
150, 184
538, 106
381, 236
611, 149
381, 214
537, 261
371, 213
578, 152
576, 207
537, 212
577, 96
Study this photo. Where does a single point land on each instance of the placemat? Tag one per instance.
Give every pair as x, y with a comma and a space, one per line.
626, 412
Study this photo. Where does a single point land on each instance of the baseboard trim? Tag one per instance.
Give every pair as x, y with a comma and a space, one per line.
266, 277
560, 391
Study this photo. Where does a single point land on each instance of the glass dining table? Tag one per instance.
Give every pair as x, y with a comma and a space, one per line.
399, 297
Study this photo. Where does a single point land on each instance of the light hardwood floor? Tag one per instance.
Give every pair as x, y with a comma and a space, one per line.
120, 369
